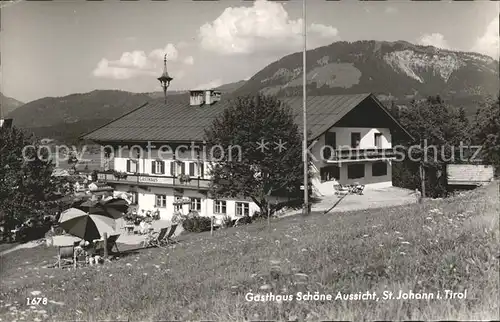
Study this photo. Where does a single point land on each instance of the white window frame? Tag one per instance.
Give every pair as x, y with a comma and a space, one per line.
242, 208
157, 169
135, 197
197, 202
134, 165
220, 207
178, 168
161, 201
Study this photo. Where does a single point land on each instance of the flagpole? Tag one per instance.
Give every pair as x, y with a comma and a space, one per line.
304, 93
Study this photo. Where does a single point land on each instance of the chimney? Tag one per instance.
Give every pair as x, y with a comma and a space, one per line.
208, 97
203, 97
196, 98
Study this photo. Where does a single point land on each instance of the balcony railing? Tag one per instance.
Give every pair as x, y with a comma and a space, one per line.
359, 154
155, 180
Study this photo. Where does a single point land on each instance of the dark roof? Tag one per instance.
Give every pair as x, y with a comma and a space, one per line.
176, 121
157, 121
322, 111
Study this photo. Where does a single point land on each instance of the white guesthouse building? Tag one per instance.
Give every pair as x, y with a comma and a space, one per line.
358, 127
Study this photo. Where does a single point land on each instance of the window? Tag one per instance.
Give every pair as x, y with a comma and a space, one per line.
196, 169
158, 167
330, 173
355, 140
178, 203
135, 197
242, 209
132, 166
161, 201
330, 144
196, 204
176, 168
379, 169
378, 140
355, 171
219, 207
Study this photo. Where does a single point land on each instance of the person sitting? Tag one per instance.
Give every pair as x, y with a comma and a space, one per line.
156, 214
176, 218
192, 213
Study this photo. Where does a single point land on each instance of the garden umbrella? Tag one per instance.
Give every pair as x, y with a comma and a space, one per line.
86, 226
113, 208
92, 207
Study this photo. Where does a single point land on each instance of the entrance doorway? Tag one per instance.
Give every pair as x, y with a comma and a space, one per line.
329, 173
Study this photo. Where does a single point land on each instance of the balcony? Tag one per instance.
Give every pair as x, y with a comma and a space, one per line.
353, 155
155, 180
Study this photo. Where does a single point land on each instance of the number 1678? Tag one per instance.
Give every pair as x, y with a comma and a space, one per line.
36, 301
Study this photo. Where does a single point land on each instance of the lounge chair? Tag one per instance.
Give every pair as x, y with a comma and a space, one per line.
154, 239
171, 232
99, 246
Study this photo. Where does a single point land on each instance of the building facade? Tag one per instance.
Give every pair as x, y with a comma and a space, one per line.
159, 158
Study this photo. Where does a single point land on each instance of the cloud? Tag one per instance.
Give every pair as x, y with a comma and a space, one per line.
435, 39
489, 43
265, 27
189, 60
137, 63
112, 69
213, 84
391, 10
169, 50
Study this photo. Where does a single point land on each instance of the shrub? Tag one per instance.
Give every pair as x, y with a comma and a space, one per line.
197, 224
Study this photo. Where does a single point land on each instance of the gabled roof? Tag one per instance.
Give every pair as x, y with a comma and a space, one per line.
323, 111
177, 121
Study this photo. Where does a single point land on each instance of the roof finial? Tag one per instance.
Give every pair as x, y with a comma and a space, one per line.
165, 79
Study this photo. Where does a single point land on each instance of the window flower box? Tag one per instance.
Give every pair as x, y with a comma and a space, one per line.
120, 175
183, 178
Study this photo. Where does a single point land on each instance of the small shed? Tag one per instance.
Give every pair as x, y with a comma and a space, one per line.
469, 174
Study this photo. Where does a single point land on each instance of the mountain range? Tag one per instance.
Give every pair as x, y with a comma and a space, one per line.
8, 104
394, 71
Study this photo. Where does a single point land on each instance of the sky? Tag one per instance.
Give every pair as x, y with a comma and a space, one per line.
60, 47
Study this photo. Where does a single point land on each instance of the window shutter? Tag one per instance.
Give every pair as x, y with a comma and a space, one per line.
201, 169
172, 168
153, 167
128, 165
191, 168
183, 168
162, 167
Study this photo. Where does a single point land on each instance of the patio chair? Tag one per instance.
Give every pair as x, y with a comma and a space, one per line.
340, 190
66, 255
154, 239
357, 189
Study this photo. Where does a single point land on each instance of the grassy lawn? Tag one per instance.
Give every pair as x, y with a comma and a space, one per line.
443, 245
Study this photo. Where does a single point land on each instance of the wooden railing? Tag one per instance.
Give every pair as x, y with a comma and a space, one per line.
147, 179
360, 154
